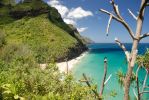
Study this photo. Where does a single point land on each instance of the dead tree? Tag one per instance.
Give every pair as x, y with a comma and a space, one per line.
89, 85
142, 91
135, 36
67, 66
104, 77
104, 81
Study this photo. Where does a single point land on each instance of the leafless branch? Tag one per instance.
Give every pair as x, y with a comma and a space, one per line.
144, 92
144, 83
123, 48
104, 77
88, 84
116, 9
146, 87
110, 14
142, 8
135, 93
108, 79
132, 14
67, 67
121, 21
83, 80
137, 82
145, 79
137, 71
109, 22
144, 35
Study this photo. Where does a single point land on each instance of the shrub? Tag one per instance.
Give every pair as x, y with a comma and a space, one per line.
29, 82
2, 39
18, 52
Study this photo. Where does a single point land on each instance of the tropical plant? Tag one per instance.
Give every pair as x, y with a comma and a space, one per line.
142, 62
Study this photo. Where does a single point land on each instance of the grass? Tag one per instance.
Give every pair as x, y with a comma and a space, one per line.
41, 35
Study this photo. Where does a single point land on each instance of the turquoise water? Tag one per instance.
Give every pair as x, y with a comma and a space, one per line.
93, 66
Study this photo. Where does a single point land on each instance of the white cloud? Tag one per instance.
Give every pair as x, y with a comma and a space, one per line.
69, 21
63, 10
53, 2
79, 13
70, 16
82, 29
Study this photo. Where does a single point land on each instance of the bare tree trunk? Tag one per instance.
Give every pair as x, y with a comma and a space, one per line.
134, 50
144, 83
127, 83
67, 69
104, 77
138, 90
137, 82
132, 62
131, 58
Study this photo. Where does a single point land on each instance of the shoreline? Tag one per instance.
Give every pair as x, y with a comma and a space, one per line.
62, 66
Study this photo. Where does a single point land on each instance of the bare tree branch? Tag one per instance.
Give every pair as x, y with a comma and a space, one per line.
121, 21
109, 22
116, 10
108, 79
137, 71
104, 77
88, 84
113, 16
144, 35
146, 87
137, 82
83, 80
123, 48
142, 8
144, 92
132, 14
135, 93
145, 79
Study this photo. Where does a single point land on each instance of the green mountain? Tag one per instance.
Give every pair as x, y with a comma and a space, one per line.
33, 26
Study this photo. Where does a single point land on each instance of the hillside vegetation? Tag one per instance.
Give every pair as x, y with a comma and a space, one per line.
41, 29
31, 33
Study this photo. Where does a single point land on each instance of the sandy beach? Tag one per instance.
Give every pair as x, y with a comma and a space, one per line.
63, 65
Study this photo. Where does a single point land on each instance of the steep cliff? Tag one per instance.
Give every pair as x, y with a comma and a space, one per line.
41, 30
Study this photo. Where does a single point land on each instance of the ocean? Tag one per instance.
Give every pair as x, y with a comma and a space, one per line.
92, 64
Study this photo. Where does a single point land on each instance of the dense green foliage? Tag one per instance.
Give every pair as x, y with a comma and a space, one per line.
143, 60
31, 33
22, 78
28, 81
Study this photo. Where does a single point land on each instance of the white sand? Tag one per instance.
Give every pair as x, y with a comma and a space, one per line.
63, 65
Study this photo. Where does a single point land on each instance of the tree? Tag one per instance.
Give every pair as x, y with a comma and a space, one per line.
99, 95
142, 62
135, 36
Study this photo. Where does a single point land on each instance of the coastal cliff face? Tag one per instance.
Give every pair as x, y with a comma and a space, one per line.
39, 28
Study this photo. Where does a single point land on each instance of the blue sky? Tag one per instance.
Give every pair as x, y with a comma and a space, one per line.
94, 25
